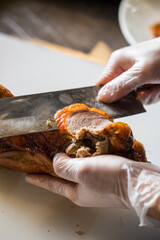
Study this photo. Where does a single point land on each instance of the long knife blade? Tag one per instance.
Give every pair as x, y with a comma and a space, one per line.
34, 113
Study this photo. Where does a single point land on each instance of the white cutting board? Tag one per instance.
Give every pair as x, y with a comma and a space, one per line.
28, 212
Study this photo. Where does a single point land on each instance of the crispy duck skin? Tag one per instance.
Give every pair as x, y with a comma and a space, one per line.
82, 132
4, 92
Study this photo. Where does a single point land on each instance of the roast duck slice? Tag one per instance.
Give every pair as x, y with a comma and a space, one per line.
82, 132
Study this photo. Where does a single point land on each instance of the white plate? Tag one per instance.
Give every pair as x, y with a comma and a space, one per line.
135, 17
28, 212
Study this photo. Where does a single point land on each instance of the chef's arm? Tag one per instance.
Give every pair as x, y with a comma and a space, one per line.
154, 210
106, 181
144, 192
132, 68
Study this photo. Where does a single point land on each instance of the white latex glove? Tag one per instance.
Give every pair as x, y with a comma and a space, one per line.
105, 181
130, 68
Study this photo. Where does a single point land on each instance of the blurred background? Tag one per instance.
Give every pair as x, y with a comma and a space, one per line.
73, 24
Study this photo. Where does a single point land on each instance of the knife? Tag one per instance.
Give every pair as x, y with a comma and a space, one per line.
35, 113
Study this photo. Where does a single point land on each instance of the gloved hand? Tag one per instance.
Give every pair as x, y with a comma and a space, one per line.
105, 181
130, 68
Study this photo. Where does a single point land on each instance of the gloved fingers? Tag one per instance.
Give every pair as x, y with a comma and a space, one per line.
122, 85
111, 71
149, 95
117, 64
66, 167
53, 184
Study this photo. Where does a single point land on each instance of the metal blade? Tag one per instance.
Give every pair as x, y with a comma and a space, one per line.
34, 113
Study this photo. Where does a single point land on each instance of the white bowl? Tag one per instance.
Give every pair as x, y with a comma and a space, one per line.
135, 17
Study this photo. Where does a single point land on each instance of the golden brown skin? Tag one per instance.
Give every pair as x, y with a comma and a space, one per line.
33, 153
4, 93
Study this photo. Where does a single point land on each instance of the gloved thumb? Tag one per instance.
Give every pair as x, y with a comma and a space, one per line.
122, 85
66, 167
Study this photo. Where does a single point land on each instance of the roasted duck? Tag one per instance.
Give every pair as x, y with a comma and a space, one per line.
82, 132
